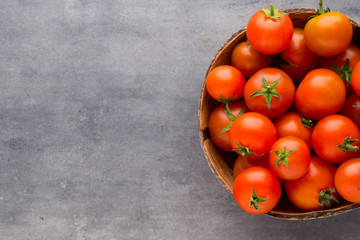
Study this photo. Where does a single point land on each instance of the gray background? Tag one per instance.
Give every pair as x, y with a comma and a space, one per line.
98, 123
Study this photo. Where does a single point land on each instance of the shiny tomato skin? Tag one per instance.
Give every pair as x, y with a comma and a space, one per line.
290, 124
321, 93
254, 131
330, 132
355, 79
328, 34
269, 36
278, 106
298, 161
225, 81
298, 54
347, 180
243, 163
218, 120
265, 184
304, 192
350, 111
245, 58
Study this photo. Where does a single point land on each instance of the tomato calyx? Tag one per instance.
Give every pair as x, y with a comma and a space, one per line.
279, 61
268, 91
321, 10
283, 156
231, 117
308, 123
273, 13
345, 71
255, 200
346, 145
325, 197
244, 151
356, 106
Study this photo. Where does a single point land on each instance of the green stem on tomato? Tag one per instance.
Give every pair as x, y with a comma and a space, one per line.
347, 145
325, 197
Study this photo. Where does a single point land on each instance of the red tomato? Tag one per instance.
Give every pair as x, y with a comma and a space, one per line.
355, 79
351, 109
269, 31
218, 120
245, 58
293, 124
289, 158
328, 34
269, 91
347, 180
336, 138
243, 163
257, 190
321, 93
307, 192
252, 135
299, 55
225, 82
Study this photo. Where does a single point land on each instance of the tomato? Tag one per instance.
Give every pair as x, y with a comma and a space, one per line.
269, 91
269, 31
299, 55
321, 93
289, 158
336, 138
243, 163
316, 189
328, 34
252, 135
225, 82
219, 119
256, 190
351, 109
347, 180
245, 58
294, 124
355, 79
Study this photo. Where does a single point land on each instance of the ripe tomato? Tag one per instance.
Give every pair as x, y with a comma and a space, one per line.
351, 109
252, 135
299, 55
243, 163
328, 34
294, 124
219, 119
257, 190
289, 158
269, 31
225, 82
347, 180
321, 93
355, 79
313, 191
245, 58
270, 91
336, 138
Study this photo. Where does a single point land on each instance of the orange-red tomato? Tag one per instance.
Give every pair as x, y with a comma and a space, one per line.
351, 109
245, 58
243, 163
355, 79
347, 180
257, 190
321, 93
305, 192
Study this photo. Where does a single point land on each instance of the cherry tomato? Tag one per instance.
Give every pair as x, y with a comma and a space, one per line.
321, 93
310, 191
245, 58
328, 34
299, 55
336, 138
269, 31
252, 135
289, 158
355, 79
269, 91
257, 190
351, 109
243, 163
219, 119
225, 82
347, 180
294, 124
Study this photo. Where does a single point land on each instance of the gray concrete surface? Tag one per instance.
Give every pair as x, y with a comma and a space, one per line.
98, 123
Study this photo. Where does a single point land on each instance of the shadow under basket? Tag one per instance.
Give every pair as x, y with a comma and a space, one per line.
221, 163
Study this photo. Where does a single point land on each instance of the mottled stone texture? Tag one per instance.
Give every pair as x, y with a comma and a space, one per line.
98, 123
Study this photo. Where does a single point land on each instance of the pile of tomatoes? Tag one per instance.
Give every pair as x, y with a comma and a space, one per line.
290, 108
